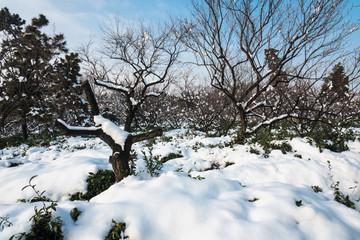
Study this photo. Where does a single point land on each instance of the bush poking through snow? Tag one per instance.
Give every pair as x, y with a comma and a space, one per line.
153, 163
171, 156
227, 163
39, 195
213, 166
339, 196
75, 213
132, 162
198, 177
117, 231
316, 189
4, 222
43, 225
269, 141
334, 139
15, 164
43, 139
96, 184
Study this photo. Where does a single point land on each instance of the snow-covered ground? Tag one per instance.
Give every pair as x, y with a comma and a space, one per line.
253, 198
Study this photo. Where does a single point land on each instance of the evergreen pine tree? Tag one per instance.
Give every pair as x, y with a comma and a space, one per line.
337, 82
66, 89
273, 62
30, 70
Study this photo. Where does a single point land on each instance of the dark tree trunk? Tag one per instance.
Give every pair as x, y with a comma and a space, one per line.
120, 165
243, 122
24, 130
129, 119
120, 161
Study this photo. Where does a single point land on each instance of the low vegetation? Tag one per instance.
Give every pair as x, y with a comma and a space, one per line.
96, 184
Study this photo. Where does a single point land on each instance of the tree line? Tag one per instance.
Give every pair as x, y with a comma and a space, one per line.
261, 63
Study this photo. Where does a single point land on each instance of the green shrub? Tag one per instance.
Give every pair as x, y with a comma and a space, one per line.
43, 227
267, 140
15, 164
13, 140
166, 138
4, 222
39, 196
153, 163
198, 177
284, 147
238, 138
132, 162
227, 163
75, 213
151, 142
214, 165
254, 151
117, 231
316, 189
332, 138
263, 137
219, 145
339, 196
197, 146
96, 184
299, 203
43, 139
171, 156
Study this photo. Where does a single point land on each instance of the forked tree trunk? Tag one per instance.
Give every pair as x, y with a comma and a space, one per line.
120, 157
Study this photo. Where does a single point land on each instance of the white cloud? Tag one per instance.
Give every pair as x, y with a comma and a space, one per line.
80, 19
76, 25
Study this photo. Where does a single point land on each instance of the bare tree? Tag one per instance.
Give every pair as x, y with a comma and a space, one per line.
258, 52
136, 61
120, 141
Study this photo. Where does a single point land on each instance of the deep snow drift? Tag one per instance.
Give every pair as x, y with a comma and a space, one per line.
243, 195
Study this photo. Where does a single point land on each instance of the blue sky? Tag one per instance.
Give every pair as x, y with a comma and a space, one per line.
80, 19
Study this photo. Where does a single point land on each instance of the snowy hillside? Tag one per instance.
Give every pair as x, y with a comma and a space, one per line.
212, 190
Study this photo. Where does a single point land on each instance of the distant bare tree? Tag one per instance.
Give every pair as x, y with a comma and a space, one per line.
264, 55
135, 61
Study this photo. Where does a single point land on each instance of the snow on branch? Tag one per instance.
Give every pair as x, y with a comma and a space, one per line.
112, 86
108, 127
270, 121
153, 94
259, 104
71, 130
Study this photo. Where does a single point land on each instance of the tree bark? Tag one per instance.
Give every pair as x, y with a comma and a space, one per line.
128, 121
24, 130
90, 96
242, 116
120, 160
